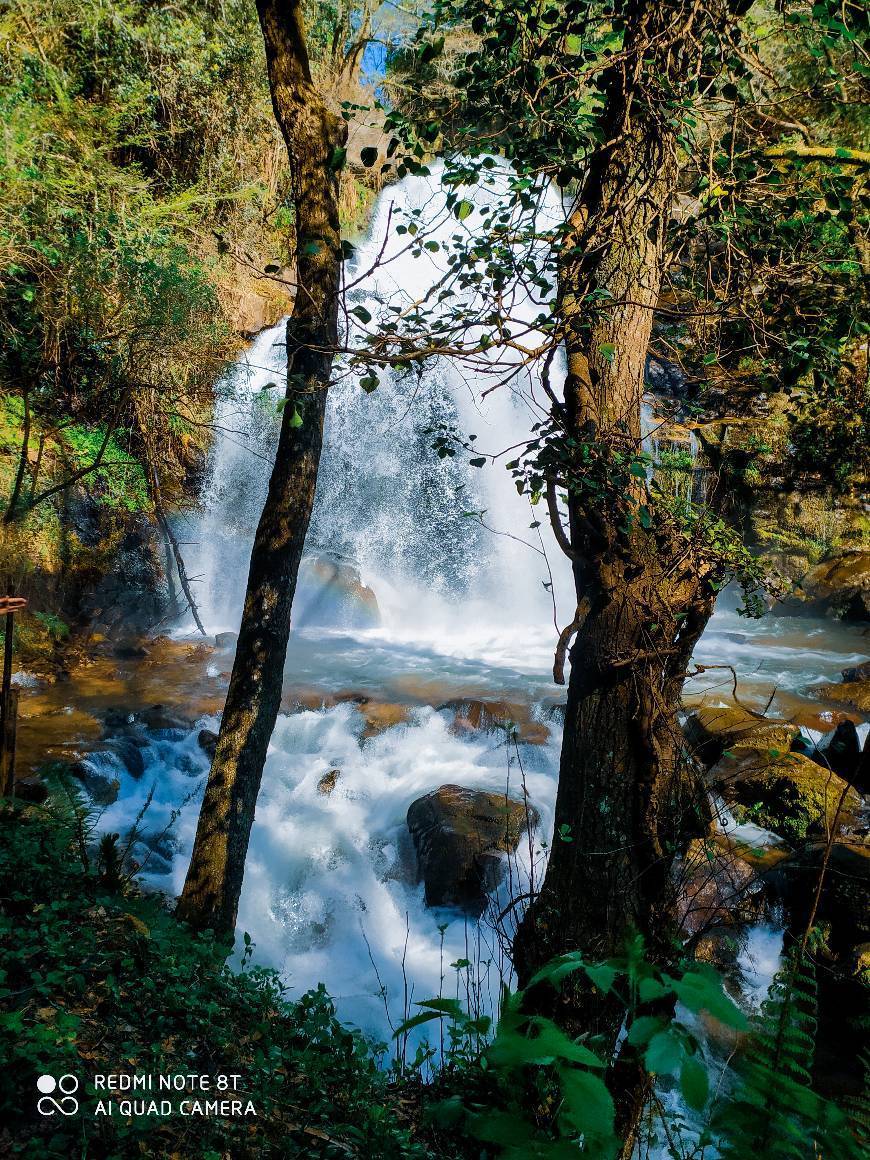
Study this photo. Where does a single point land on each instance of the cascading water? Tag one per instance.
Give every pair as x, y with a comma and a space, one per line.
384, 499
464, 610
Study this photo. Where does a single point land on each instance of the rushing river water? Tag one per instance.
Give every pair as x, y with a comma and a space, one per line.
465, 610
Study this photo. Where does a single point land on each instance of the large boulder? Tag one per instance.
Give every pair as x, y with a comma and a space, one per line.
207, 740
855, 694
165, 721
857, 673
836, 587
461, 837
787, 793
713, 729
332, 593
130, 754
843, 752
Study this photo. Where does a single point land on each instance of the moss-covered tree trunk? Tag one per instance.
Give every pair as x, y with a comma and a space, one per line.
315, 137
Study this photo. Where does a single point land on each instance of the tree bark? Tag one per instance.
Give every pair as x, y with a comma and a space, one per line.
623, 804
22, 461
314, 136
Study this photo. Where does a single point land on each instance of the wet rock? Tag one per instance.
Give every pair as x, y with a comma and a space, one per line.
711, 730
856, 694
153, 850
226, 640
382, 715
472, 716
130, 754
843, 751
129, 651
553, 709
787, 793
161, 719
858, 673
332, 593
716, 888
146, 861
837, 587
328, 782
207, 740
461, 837
251, 310
130, 596
99, 782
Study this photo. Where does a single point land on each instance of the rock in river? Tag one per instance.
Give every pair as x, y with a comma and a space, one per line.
332, 593
784, 792
461, 837
713, 729
207, 740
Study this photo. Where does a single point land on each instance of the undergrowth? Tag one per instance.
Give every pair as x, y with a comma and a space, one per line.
95, 982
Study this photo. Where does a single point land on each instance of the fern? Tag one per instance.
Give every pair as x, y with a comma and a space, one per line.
773, 1111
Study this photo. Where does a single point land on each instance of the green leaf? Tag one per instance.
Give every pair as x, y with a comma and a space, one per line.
368, 156
337, 157
444, 1007
700, 989
649, 989
694, 1083
664, 1053
588, 1108
295, 419
601, 975
462, 209
362, 314
558, 969
607, 350
480, 461
415, 1021
644, 1028
551, 1044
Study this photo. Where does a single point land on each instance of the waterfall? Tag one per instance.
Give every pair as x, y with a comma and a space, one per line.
465, 610
407, 518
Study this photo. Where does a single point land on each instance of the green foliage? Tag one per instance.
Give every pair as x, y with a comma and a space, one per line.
119, 158
92, 980
538, 1092
773, 1111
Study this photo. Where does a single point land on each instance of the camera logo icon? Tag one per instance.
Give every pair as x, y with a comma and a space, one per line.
64, 1102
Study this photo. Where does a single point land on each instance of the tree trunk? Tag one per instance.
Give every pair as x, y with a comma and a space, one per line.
22, 461
644, 594
314, 137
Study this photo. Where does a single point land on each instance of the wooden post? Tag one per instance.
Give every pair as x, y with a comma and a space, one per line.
8, 699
